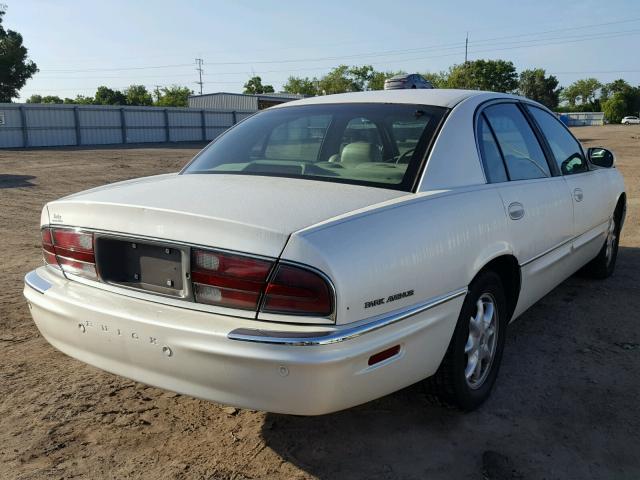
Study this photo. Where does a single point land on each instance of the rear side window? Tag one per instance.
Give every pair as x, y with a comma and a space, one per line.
491, 157
520, 149
566, 150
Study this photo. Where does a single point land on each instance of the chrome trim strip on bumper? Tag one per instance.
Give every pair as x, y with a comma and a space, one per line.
36, 282
337, 336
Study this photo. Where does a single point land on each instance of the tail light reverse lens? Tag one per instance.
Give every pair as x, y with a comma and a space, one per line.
228, 280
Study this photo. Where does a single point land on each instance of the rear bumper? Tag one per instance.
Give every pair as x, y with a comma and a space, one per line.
191, 352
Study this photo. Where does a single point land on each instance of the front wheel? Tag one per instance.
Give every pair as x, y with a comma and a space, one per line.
605, 263
470, 367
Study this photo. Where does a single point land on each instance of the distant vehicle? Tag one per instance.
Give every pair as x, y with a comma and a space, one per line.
631, 120
411, 80
329, 251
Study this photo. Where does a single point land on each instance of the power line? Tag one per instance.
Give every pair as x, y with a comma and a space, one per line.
361, 55
520, 44
559, 40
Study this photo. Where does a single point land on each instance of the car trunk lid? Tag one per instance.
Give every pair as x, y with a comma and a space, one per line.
244, 213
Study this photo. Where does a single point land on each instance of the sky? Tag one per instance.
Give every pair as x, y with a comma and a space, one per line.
79, 45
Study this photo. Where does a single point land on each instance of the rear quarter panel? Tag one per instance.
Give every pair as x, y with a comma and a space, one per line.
429, 244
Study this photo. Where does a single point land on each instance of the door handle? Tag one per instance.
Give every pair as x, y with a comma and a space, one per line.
577, 194
516, 210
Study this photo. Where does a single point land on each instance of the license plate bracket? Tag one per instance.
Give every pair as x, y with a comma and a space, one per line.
142, 265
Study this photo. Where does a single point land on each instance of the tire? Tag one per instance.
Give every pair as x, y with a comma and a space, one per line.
604, 264
450, 383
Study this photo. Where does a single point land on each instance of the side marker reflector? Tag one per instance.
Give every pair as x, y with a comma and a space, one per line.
384, 355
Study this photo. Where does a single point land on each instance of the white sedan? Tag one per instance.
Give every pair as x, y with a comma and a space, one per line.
631, 120
330, 251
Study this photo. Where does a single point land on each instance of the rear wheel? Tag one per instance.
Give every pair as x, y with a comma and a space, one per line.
470, 367
605, 263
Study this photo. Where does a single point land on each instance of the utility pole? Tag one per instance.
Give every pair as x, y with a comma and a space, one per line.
466, 47
157, 91
199, 69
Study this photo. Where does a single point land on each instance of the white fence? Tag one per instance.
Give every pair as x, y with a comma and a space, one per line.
580, 119
38, 125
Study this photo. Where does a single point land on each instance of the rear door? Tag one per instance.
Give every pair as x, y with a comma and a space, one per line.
591, 210
537, 202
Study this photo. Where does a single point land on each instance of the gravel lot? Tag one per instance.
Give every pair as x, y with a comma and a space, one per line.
565, 406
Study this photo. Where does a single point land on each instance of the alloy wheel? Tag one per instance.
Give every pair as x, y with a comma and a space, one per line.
480, 348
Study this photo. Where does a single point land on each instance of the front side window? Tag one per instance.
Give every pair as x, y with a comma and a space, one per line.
520, 149
566, 150
371, 144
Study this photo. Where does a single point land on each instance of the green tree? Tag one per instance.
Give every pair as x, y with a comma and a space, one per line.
344, 78
534, 84
437, 79
585, 90
491, 75
361, 77
80, 100
254, 86
616, 86
376, 82
46, 99
138, 95
52, 99
301, 86
570, 95
15, 66
174, 96
619, 99
615, 107
336, 81
107, 96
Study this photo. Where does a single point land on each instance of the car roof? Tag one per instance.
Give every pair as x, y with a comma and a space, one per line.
439, 97
402, 76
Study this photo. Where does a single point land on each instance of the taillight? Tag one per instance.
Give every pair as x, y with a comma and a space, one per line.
48, 252
70, 250
297, 291
236, 281
228, 280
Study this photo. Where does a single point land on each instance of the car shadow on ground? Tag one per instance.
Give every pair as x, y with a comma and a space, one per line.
544, 417
16, 181
116, 146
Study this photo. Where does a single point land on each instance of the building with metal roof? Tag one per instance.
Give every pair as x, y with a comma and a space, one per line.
240, 101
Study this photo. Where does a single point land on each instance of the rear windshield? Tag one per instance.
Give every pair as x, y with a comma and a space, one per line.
370, 144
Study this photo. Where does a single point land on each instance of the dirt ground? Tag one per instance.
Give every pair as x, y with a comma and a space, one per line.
565, 405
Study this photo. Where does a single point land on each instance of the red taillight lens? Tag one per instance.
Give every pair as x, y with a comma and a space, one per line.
298, 291
48, 252
75, 245
228, 280
70, 250
235, 281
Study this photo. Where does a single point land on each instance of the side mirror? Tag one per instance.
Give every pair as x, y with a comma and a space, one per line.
601, 157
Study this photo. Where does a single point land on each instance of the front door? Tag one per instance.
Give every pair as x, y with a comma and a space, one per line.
591, 209
537, 205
